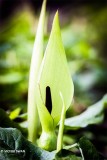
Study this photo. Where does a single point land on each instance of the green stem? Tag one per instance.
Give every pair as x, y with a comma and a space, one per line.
61, 127
33, 119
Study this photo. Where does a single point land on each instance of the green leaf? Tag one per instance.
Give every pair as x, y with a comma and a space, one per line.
6, 122
66, 155
89, 151
9, 156
93, 115
14, 114
55, 74
11, 78
12, 139
37, 55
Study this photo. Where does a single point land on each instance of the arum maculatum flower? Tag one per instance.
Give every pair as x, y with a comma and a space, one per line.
54, 87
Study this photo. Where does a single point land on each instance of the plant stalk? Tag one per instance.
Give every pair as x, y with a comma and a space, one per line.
61, 127
37, 55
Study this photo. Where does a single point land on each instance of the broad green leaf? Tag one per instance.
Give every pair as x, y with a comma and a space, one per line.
12, 139
55, 74
37, 56
89, 151
8, 156
93, 115
66, 155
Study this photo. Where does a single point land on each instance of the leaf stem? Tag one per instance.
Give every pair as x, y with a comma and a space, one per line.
61, 127
37, 55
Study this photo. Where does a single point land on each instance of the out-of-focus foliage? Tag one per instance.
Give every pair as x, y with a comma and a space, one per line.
16, 43
84, 40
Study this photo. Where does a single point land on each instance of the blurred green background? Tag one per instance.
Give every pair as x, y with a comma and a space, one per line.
84, 35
